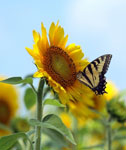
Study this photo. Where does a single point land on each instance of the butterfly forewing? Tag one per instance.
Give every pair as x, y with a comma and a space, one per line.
93, 74
83, 79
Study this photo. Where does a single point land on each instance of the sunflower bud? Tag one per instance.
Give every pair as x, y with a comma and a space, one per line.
20, 125
117, 107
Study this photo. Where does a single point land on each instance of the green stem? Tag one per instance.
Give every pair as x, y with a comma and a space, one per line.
39, 114
33, 88
109, 135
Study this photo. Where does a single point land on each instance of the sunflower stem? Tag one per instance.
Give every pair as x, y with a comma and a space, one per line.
39, 114
109, 135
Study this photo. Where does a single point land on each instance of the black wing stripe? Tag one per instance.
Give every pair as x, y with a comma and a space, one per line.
98, 60
102, 57
95, 65
90, 69
86, 77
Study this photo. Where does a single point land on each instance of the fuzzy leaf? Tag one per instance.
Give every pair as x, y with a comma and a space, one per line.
29, 98
53, 102
54, 122
7, 142
57, 138
35, 122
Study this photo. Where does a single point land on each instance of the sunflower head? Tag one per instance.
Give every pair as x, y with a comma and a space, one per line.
8, 104
57, 62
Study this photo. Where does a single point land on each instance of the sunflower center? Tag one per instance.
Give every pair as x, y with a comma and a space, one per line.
4, 112
60, 66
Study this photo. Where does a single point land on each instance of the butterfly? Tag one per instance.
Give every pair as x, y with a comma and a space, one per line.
93, 74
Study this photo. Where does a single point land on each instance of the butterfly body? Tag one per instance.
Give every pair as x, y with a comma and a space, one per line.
93, 74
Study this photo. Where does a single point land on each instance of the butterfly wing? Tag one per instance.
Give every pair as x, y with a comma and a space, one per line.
93, 75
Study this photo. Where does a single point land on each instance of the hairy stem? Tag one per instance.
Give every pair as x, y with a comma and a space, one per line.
109, 135
39, 114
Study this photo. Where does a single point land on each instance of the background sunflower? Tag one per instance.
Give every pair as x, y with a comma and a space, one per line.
8, 104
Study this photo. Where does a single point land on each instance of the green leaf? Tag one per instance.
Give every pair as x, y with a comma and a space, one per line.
53, 102
119, 138
93, 147
35, 122
121, 129
28, 80
7, 142
29, 98
57, 138
30, 132
54, 122
18, 80
13, 80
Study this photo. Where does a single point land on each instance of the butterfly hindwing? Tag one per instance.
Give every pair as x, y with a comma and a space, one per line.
93, 74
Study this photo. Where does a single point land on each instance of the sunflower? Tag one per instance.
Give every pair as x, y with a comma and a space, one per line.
59, 63
8, 104
111, 90
83, 112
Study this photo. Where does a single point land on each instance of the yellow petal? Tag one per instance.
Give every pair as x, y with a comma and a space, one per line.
42, 46
63, 42
43, 29
32, 53
51, 33
36, 36
44, 36
39, 64
58, 36
76, 54
38, 74
72, 47
66, 119
81, 64
63, 97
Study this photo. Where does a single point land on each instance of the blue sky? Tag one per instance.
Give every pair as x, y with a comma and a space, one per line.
99, 26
